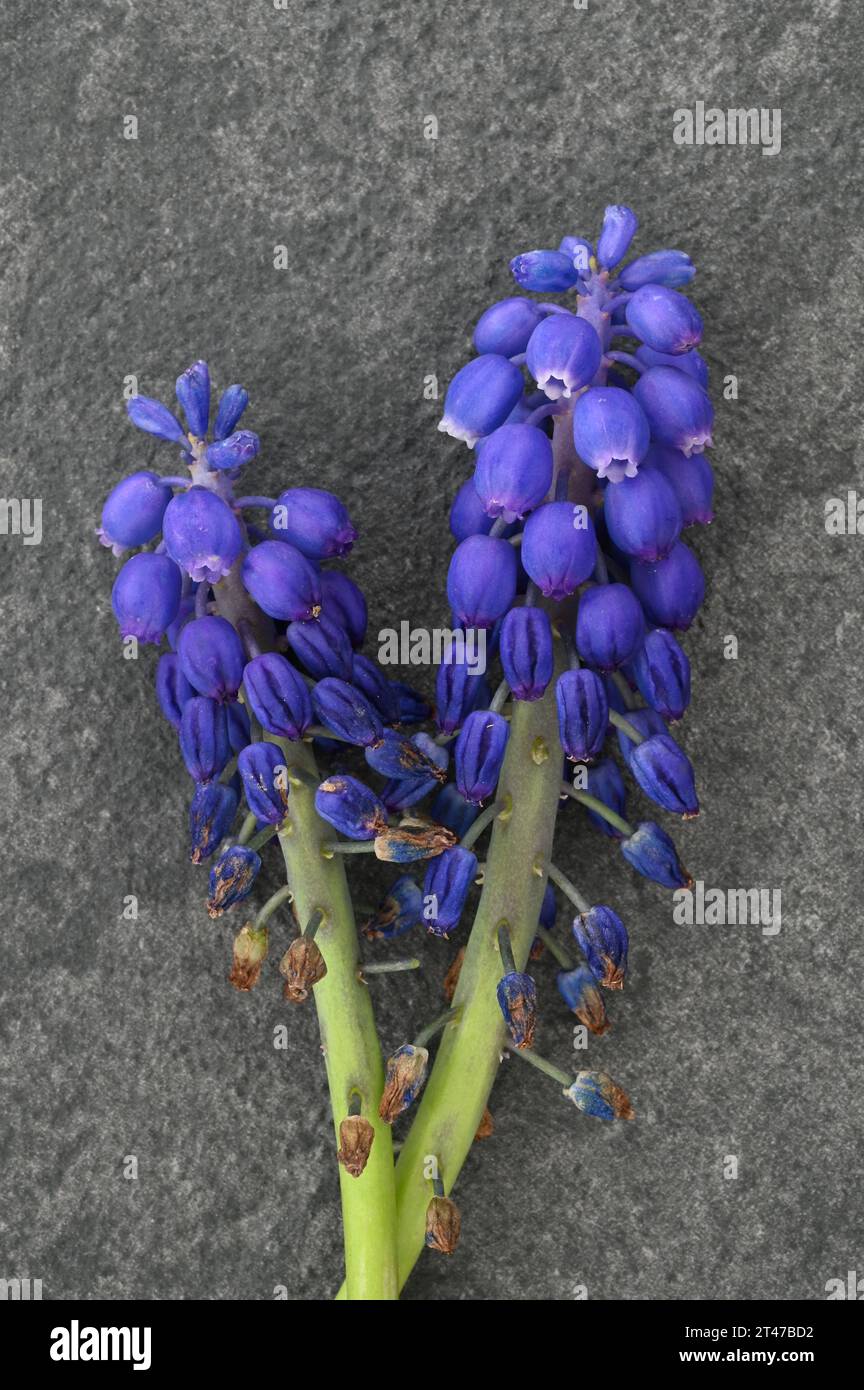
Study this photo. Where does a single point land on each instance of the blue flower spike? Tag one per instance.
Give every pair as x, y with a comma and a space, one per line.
568, 587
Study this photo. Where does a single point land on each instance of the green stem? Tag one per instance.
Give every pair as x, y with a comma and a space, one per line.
319, 731
348, 1038
281, 895
505, 950
626, 692
228, 772
499, 698
389, 967
569, 889
475, 830
427, 1033
554, 947
310, 931
465, 1068
331, 847
626, 727
262, 838
547, 1068
594, 803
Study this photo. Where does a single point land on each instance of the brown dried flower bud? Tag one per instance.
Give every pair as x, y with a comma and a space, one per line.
355, 1141
414, 838
443, 1224
406, 1072
451, 979
592, 1011
486, 1127
596, 1094
250, 953
303, 966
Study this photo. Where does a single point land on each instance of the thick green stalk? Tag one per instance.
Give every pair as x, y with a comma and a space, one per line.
515, 880
348, 1038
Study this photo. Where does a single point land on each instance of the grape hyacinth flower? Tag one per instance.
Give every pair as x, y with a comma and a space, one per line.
445, 888
479, 754
451, 809
146, 596
277, 696
480, 397
662, 673
193, 393
406, 1072
210, 653
609, 626
370, 680
559, 548
232, 878
282, 581
615, 415
468, 515
563, 355
527, 652
398, 912
133, 511
514, 470
663, 319
418, 759
266, 676
481, 581
506, 327
323, 646
173, 691
671, 590
351, 807
652, 854
691, 479
578, 989
345, 709
546, 272
692, 362
345, 604
211, 814
610, 431
643, 515
677, 408
602, 939
314, 521
457, 692
665, 774
620, 225
669, 268
583, 714
594, 1093
265, 782
202, 534
221, 592
579, 251
517, 1000
204, 738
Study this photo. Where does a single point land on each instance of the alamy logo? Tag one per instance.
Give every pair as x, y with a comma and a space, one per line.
719, 907
738, 125
420, 646
850, 1287
20, 1290
22, 516
844, 516
76, 1343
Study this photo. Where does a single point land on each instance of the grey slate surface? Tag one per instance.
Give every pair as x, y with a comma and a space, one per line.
305, 127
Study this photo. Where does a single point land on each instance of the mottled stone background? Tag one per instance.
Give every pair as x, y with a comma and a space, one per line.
304, 126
